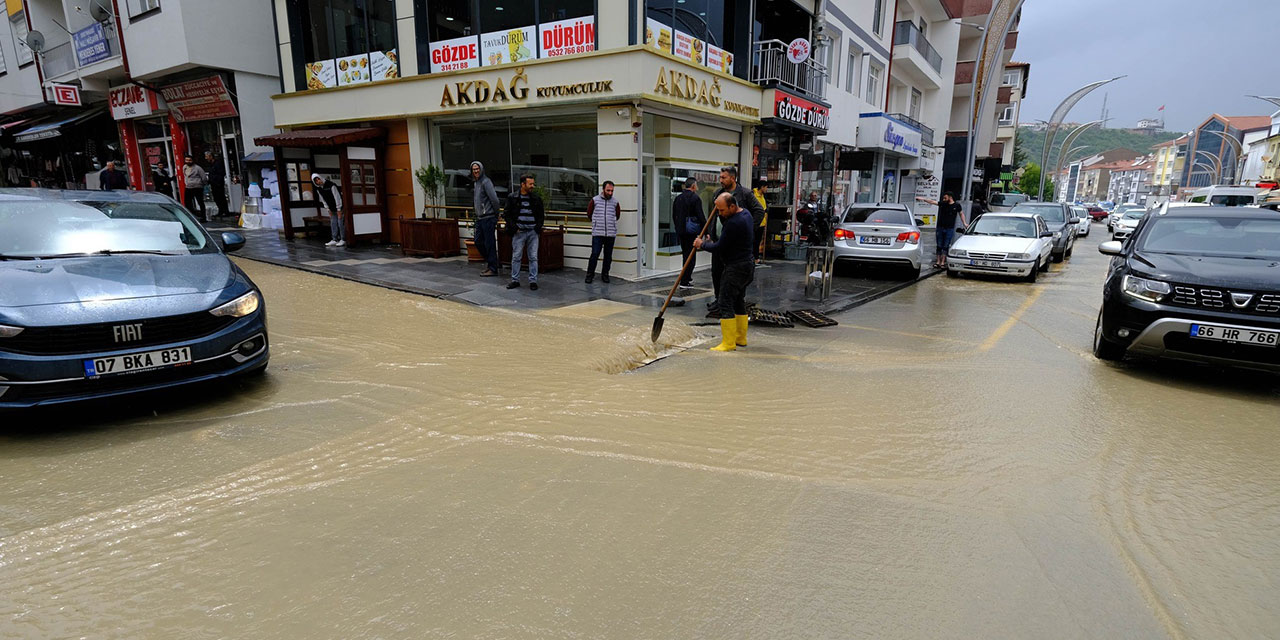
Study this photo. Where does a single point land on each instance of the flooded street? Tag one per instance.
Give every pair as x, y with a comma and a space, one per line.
950, 461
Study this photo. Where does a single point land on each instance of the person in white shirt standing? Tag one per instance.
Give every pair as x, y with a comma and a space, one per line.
604, 211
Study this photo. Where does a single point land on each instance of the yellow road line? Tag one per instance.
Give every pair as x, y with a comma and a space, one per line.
1000, 331
908, 334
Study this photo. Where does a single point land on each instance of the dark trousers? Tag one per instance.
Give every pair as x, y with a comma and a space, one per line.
598, 244
487, 241
756, 249
219, 189
732, 299
717, 274
193, 197
686, 249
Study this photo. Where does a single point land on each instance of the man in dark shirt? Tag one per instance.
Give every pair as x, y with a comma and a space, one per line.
523, 216
111, 178
217, 182
735, 251
745, 200
686, 216
949, 211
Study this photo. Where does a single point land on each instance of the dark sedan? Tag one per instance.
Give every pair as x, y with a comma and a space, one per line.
109, 293
1062, 221
1195, 283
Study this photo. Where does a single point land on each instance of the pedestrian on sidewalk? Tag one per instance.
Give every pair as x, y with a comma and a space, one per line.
523, 216
949, 213
604, 212
194, 180
162, 180
217, 183
735, 252
111, 178
686, 215
762, 224
745, 200
485, 201
331, 196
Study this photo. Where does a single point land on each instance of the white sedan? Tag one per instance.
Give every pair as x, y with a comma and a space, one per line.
1082, 231
1013, 244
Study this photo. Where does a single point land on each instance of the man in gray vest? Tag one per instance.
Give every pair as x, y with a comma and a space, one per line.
604, 212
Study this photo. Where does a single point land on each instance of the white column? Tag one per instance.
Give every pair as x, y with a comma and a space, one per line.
407, 38
419, 156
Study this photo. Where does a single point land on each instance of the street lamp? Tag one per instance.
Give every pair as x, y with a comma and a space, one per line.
1067, 142
1059, 115
1272, 99
1217, 164
1239, 149
989, 54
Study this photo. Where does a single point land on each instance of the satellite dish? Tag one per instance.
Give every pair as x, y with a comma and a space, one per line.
100, 12
35, 41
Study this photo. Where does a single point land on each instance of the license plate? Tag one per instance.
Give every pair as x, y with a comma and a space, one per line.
984, 263
1232, 334
136, 362
872, 240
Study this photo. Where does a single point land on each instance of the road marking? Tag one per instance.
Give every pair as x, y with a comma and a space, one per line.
1000, 331
908, 334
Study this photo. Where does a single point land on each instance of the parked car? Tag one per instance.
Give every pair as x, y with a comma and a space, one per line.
1003, 202
1016, 244
1127, 223
1061, 221
879, 233
1096, 213
104, 293
1082, 229
1226, 196
1119, 211
1195, 283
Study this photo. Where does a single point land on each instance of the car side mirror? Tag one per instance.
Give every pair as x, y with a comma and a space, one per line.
1111, 248
232, 241
960, 231
1046, 234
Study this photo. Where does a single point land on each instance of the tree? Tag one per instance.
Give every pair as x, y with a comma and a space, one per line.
1030, 182
1019, 154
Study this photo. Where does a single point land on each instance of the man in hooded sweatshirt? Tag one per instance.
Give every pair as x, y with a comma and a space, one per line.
485, 200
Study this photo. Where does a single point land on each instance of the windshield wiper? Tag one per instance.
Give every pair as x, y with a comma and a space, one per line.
1008, 235
104, 252
5, 257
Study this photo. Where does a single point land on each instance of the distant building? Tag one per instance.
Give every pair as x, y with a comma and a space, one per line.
1150, 125
1262, 149
1167, 167
1211, 159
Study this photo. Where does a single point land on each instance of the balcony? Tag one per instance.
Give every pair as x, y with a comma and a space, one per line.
965, 72
926, 132
915, 58
58, 61
1004, 95
771, 68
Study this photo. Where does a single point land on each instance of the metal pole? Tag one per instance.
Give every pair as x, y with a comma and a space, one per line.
976, 116
1239, 149
1059, 115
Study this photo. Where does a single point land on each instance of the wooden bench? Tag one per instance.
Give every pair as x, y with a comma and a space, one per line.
321, 221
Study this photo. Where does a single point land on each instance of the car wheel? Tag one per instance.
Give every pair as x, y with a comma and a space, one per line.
1070, 250
1045, 266
911, 273
1104, 349
1059, 257
952, 273
1035, 272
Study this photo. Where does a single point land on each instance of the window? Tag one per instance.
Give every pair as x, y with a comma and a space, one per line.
18, 24
457, 34
874, 71
340, 42
139, 7
877, 18
913, 109
1010, 79
924, 27
853, 70
1006, 116
831, 55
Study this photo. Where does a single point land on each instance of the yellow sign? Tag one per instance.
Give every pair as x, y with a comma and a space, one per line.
481, 92
678, 84
14, 6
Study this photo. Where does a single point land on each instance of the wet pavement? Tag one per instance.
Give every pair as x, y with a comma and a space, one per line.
948, 462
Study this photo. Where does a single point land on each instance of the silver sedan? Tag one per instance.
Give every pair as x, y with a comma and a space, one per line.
878, 233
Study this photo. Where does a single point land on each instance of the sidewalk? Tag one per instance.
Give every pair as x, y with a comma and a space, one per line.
779, 285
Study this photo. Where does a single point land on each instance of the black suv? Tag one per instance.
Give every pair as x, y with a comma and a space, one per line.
1195, 283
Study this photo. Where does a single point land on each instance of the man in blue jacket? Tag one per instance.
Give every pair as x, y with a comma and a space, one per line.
735, 250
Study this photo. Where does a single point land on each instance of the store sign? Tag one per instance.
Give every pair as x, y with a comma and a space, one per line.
476, 92
657, 35
358, 69
203, 99
690, 48
798, 51
91, 45
797, 111
455, 54
508, 46
719, 59
879, 131
353, 70
132, 101
567, 37
66, 94
928, 188
682, 86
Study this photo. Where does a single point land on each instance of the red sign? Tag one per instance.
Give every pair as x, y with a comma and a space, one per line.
132, 101
797, 111
67, 94
129, 142
203, 99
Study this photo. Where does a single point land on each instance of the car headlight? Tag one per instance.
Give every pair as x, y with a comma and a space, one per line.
1057, 235
958, 253
1144, 289
1019, 256
240, 307
7, 331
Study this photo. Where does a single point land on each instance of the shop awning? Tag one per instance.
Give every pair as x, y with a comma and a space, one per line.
17, 123
260, 156
54, 129
320, 137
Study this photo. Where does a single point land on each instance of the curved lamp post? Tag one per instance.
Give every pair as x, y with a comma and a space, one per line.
1067, 142
1059, 115
999, 23
1216, 163
1239, 149
1068, 154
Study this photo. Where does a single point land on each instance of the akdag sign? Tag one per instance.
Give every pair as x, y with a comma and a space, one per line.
799, 112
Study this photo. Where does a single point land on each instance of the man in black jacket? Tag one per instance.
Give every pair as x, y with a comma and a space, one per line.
112, 179
523, 216
745, 200
686, 215
217, 182
736, 253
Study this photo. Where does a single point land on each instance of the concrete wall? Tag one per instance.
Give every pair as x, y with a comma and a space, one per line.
228, 34
254, 92
19, 87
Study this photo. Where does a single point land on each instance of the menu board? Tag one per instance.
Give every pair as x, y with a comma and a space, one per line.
353, 70
567, 37
458, 53
385, 65
689, 47
719, 59
510, 45
657, 35
322, 74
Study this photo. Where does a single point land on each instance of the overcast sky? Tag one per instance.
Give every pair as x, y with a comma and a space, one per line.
1161, 46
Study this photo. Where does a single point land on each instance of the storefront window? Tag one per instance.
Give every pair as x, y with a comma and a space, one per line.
340, 42
463, 35
702, 30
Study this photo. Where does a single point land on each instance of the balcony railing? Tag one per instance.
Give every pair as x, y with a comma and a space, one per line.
926, 132
59, 60
770, 66
906, 32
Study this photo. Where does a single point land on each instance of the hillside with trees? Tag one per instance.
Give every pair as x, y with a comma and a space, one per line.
1031, 142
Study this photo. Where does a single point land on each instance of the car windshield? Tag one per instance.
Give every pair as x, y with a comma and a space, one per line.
62, 228
1003, 226
1216, 237
1134, 214
1232, 201
1050, 212
1007, 199
871, 215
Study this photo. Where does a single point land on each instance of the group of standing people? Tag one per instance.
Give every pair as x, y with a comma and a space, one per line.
194, 179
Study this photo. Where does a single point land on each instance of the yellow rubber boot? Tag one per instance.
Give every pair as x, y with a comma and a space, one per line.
728, 333
742, 329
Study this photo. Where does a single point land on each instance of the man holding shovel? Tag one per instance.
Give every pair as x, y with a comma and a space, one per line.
746, 201
734, 250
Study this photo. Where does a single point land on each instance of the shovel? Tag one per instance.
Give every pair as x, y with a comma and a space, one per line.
657, 322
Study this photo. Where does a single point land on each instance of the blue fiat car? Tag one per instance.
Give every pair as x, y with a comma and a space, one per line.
105, 293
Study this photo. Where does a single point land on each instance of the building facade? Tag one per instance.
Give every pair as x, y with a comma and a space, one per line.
1211, 159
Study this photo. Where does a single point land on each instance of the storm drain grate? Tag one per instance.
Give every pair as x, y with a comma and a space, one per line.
767, 318
812, 318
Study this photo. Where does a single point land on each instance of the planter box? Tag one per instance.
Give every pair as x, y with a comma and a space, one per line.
434, 237
550, 249
473, 254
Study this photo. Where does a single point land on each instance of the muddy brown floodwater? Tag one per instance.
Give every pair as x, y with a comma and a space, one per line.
949, 462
